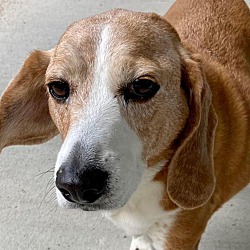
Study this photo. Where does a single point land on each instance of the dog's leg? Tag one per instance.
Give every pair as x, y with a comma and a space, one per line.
197, 245
187, 230
154, 239
183, 233
145, 242
142, 242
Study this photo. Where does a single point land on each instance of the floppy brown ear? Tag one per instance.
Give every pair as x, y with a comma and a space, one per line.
191, 179
24, 112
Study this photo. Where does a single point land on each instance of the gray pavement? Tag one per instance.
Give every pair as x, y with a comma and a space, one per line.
29, 216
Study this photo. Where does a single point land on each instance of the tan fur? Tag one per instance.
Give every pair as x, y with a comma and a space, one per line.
198, 57
24, 114
225, 51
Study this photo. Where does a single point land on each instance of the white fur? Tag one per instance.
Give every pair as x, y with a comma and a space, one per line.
142, 242
143, 216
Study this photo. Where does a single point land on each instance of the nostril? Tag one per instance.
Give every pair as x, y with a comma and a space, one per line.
91, 195
66, 194
93, 185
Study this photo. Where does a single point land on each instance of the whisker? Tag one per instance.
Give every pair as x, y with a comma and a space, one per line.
51, 170
52, 197
102, 217
55, 208
97, 220
50, 182
46, 193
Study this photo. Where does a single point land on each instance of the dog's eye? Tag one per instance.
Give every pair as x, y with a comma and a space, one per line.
59, 90
142, 88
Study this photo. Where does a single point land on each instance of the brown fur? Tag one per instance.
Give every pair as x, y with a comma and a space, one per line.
203, 133
225, 51
24, 114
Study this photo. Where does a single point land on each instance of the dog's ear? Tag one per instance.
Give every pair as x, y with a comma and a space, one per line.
191, 179
24, 112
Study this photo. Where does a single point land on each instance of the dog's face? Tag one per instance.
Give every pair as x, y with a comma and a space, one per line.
115, 93
124, 95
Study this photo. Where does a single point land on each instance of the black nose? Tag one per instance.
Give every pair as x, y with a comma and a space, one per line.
84, 186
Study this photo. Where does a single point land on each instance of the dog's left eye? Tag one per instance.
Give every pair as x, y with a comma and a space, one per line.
141, 89
59, 90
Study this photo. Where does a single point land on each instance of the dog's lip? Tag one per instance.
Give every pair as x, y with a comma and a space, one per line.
98, 206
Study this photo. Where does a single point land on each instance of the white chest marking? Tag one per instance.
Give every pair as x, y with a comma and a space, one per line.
143, 217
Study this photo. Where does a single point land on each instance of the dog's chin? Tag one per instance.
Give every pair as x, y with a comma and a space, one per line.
104, 204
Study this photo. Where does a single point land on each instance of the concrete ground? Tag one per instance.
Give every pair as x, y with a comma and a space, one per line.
29, 216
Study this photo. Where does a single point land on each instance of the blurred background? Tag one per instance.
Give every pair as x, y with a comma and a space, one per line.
29, 216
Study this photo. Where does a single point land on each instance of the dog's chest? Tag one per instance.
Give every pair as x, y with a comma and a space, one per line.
143, 213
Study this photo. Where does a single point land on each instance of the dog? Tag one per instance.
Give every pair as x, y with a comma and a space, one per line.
153, 112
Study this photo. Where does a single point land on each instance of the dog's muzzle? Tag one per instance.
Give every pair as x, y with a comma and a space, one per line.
99, 169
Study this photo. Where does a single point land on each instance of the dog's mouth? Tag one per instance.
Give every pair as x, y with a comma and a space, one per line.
105, 202
94, 207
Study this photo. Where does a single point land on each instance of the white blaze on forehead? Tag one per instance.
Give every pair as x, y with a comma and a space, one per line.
102, 109
102, 53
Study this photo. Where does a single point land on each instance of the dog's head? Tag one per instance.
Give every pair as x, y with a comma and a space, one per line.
124, 95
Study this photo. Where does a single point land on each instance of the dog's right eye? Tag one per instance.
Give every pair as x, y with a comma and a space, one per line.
59, 90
